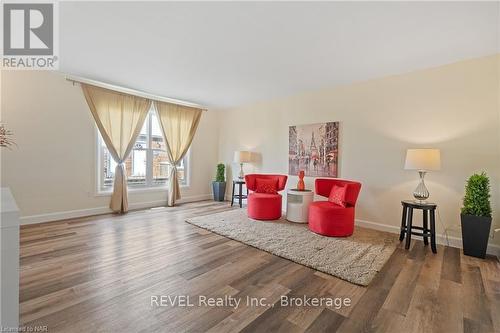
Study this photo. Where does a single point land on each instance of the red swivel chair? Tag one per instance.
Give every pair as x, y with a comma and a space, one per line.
264, 206
329, 219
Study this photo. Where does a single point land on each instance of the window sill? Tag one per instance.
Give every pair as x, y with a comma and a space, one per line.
105, 193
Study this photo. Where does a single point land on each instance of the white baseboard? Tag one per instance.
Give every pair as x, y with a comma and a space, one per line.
440, 238
71, 214
56, 216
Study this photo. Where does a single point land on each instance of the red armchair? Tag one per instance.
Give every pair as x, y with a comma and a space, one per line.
264, 206
329, 219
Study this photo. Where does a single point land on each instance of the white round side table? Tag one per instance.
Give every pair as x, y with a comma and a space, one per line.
297, 205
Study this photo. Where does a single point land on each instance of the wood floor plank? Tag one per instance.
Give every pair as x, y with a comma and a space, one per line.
477, 306
315, 287
247, 314
421, 311
388, 321
399, 298
98, 274
327, 321
364, 313
449, 307
273, 319
451, 269
472, 326
430, 274
343, 289
491, 281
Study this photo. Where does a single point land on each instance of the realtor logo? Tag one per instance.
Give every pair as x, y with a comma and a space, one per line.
28, 29
29, 35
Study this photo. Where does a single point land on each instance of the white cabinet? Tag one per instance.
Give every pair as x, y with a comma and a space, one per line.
297, 205
9, 261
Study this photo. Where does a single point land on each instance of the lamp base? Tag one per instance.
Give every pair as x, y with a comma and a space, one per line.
421, 193
241, 176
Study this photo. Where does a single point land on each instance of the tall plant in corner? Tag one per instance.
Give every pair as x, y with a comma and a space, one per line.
476, 215
219, 185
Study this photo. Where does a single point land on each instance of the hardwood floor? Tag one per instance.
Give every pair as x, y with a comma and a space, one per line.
98, 274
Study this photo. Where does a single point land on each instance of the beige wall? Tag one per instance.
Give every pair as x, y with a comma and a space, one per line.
53, 168
452, 107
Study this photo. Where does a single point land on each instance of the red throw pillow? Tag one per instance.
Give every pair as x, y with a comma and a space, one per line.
269, 186
337, 195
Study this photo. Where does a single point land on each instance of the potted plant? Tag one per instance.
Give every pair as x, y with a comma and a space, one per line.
476, 216
219, 185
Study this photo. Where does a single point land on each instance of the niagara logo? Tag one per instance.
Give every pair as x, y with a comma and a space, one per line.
29, 35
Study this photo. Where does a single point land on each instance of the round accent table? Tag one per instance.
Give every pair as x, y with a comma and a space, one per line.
297, 205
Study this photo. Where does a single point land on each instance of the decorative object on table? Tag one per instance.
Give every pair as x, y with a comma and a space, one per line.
6, 139
356, 259
314, 149
240, 196
407, 227
301, 186
476, 216
329, 219
297, 205
422, 160
241, 157
219, 185
264, 206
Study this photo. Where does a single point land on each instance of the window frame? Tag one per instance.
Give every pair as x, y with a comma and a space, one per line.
149, 186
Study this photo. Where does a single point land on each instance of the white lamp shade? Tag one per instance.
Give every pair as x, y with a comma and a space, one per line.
423, 159
242, 156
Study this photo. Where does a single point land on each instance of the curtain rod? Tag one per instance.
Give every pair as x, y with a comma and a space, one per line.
77, 79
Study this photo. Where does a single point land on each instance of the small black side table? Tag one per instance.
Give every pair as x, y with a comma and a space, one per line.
428, 209
240, 196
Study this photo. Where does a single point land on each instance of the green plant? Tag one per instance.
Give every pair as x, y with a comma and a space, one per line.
219, 177
477, 196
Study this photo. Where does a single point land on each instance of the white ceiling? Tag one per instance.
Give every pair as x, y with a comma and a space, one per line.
227, 54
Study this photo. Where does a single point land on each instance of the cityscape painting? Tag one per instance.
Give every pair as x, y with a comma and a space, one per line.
314, 149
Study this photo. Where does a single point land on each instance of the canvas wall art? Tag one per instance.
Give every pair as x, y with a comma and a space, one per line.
314, 149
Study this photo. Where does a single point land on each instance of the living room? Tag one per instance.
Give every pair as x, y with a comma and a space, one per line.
250, 166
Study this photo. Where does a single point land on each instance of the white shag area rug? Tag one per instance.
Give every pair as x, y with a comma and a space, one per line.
356, 259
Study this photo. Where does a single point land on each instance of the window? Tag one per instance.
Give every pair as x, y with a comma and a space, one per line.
147, 166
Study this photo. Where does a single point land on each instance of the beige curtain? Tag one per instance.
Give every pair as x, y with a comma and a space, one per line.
179, 124
119, 118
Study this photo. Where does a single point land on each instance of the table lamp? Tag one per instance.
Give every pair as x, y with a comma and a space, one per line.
241, 157
422, 160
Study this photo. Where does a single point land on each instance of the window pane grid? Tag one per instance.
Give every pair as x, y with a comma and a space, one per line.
147, 165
